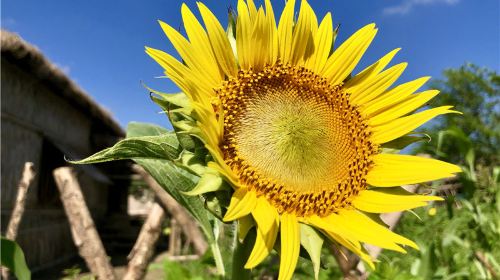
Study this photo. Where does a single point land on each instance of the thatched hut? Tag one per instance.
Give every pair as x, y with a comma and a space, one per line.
46, 117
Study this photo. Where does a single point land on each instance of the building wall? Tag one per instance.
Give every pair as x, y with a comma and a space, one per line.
41, 127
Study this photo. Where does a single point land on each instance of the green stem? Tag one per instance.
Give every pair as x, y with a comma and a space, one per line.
241, 254
219, 264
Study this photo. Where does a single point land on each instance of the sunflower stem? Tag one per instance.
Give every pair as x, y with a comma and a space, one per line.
219, 264
240, 256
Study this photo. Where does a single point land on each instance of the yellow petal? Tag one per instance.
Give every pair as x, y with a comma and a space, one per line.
243, 36
395, 170
259, 43
219, 41
385, 200
410, 104
194, 88
285, 31
374, 85
359, 222
341, 225
242, 203
244, 225
346, 57
353, 246
267, 220
290, 245
196, 34
272, 32
372, 70
252, 9
392, 96
302, 34
322, 45
399, 127
209, 128
195, 58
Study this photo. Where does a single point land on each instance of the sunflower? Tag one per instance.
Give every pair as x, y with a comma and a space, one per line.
299, 138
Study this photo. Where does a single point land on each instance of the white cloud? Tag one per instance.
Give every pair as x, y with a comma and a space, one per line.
65, 68
407, 5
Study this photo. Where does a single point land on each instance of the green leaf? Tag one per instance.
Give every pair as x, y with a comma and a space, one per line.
163, 146
312, 241
13, 258
136, 129
175, 100
176, 180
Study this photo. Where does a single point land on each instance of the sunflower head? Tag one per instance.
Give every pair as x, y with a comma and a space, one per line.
294, 138
298, 136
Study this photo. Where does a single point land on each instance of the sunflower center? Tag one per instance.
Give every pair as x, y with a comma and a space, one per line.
294, 138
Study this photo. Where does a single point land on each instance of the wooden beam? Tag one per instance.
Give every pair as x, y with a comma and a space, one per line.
144, 247
22, 191
83, 230
19, 206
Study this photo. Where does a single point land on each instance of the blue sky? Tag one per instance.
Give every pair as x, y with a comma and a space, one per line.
100, 44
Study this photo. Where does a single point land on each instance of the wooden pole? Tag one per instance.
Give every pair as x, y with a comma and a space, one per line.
144, 247
184, 219
22, 190
19, 206
82, 226
174, 241
346, 261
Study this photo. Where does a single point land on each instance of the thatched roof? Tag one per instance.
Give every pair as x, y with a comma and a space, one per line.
17, 51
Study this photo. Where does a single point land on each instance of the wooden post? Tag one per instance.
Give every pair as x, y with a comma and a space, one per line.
174, 241
346, 260
82, 226
19, 206
184, 219
22, 190
144, 247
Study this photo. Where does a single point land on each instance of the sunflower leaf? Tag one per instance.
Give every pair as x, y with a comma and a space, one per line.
176, 180
12, 257
173, 178
159, 152
162, 146
312, 241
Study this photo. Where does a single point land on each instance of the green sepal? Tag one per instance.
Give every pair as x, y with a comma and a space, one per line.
312, 242
210, 181
404, 141
178, 100
193, 162
217, 202
375, 217
178, 108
